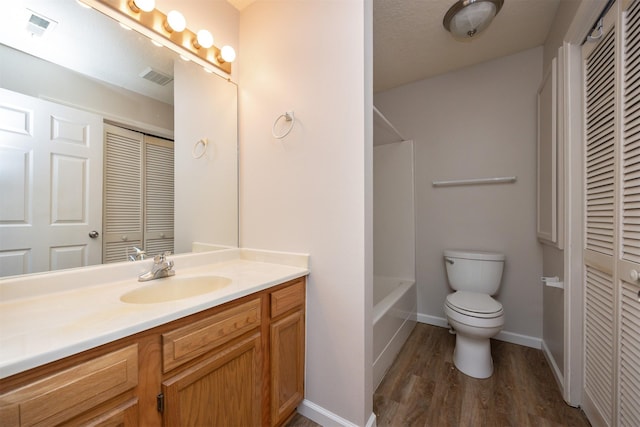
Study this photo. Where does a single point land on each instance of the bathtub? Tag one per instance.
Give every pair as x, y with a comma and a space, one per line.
394, 316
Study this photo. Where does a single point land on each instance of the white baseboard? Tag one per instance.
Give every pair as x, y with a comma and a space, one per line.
326, 418
433, 320
510, 337
557, 374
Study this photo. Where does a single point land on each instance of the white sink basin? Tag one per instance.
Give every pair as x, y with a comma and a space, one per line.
175, 288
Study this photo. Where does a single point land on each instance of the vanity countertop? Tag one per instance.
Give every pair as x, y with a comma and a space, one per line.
46, 317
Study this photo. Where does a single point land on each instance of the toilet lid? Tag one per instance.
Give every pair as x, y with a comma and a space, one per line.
474, 303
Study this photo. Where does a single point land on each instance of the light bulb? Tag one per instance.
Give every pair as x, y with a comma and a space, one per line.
227, 54
142, 5
203, 39
175, 22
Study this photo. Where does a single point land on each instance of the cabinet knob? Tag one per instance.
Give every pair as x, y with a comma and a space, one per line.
125, 238
634, 275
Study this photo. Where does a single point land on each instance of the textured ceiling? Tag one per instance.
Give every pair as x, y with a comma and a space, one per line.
409, 40
410, 43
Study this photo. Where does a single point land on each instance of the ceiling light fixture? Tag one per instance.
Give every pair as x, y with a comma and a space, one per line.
142, 5
169, 30
467, 18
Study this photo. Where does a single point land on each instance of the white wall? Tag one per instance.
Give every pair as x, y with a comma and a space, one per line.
35, 77
393, 211
310, 192
206, 188
474, 123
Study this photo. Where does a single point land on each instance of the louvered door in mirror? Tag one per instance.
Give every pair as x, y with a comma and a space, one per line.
138, 194
158, 195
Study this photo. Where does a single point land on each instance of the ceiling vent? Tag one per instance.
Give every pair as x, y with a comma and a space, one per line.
38, 24
156, 77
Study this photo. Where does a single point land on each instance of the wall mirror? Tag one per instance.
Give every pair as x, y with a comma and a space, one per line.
89, 74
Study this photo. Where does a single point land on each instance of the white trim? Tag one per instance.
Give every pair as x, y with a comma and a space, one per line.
574, 225
433, 320
117, 120
326, 418
372, 421
585, 16
510, 337
525, 340
557, 373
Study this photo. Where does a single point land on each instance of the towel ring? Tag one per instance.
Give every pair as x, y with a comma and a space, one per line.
288, 116
199, 152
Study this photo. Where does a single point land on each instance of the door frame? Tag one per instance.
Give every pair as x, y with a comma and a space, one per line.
571, 109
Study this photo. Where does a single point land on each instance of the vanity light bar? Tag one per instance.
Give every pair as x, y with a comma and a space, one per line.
152, 25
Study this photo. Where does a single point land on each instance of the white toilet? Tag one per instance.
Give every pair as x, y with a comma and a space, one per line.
471, 312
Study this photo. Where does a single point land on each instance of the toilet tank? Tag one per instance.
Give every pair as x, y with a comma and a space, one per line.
475, 271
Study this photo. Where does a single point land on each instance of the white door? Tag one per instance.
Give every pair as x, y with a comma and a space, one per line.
138, 194
158, 195
628, 262
612, 213
50, 185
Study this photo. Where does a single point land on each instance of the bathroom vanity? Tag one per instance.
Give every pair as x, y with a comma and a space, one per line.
234, 356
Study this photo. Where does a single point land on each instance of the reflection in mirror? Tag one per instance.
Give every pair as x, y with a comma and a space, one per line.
69, 76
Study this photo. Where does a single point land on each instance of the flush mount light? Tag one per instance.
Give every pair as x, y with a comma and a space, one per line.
142, 5
467, 18
175, 22
203, 39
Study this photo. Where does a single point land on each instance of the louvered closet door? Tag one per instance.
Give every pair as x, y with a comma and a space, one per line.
122, 193
600, 222
629, 256
612, 252
159, 196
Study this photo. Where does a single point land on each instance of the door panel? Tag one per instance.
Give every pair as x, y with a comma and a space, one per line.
51, 159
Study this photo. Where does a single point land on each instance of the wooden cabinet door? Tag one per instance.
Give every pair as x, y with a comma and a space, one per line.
123, 415
224, 389
65, 395
287, 366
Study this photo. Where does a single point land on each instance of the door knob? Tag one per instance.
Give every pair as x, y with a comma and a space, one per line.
94, 234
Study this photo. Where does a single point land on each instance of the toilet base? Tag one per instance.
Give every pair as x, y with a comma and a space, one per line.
472, 356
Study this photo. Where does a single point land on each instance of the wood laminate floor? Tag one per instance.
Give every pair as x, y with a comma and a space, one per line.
423, 388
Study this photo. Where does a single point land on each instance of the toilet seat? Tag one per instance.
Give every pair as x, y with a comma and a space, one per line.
474, 304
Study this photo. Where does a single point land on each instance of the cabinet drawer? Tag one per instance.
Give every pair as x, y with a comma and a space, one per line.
285, 299
60, 397
186, 343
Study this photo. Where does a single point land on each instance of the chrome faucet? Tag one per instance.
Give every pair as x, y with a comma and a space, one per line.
137, 256
161, 267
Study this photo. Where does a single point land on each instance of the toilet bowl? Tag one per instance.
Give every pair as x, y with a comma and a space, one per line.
471, 311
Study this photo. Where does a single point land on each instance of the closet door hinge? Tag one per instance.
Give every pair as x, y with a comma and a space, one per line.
160, 403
